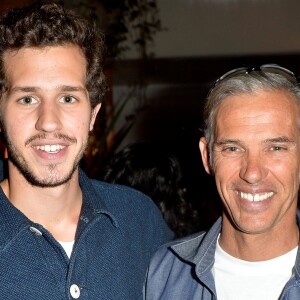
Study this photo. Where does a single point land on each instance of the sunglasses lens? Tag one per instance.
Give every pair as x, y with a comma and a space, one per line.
228, 75
233, 73
276, 69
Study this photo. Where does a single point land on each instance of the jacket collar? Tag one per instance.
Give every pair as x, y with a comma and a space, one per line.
200, 249
297, 263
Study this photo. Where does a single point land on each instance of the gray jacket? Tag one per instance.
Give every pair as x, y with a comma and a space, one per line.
183, 270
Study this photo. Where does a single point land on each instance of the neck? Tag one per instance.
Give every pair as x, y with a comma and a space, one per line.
55, 208
259, 246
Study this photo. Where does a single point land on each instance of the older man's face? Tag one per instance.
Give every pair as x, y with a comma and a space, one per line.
256, 160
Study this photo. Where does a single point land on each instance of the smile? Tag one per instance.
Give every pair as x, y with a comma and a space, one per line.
50, 148
256, 197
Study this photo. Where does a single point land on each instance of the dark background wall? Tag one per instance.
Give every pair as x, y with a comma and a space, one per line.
202, 40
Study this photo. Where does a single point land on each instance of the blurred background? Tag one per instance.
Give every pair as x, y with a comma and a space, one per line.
162, 57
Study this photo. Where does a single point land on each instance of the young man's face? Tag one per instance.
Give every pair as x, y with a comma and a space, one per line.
256, 160
46, 114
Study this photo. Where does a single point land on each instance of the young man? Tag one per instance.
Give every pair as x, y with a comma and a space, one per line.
252, 147
62, 235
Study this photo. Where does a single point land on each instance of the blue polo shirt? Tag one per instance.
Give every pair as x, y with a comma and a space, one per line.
118, 231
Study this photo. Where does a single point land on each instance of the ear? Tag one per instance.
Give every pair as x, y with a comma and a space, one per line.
205, 154
94, 115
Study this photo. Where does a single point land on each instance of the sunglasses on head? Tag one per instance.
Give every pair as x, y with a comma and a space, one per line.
266, 68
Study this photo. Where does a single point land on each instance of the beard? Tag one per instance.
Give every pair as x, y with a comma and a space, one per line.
54, 178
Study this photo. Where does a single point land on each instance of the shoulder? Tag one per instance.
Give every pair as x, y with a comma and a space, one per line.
132, 208
101, 194
121, 195
182, 249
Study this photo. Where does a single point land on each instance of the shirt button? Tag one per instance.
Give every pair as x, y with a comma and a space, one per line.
75, 291
35, 230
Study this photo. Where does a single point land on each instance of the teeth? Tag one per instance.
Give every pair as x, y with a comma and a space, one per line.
50, 148
256, 197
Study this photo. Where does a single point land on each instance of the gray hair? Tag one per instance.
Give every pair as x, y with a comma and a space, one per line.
246, 83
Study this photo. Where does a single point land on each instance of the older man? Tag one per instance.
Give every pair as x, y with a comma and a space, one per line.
252, 147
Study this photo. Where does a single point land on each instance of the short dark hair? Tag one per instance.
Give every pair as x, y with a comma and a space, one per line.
48, 23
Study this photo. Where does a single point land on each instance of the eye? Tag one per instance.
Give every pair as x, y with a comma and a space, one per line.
278, 148
231, 149
67, 99
28, 100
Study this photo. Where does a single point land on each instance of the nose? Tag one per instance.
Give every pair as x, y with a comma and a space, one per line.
253, 168
48, 118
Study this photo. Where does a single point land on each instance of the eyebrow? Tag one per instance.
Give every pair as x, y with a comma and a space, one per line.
281, 139
26, 89
68, 88
227, 141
